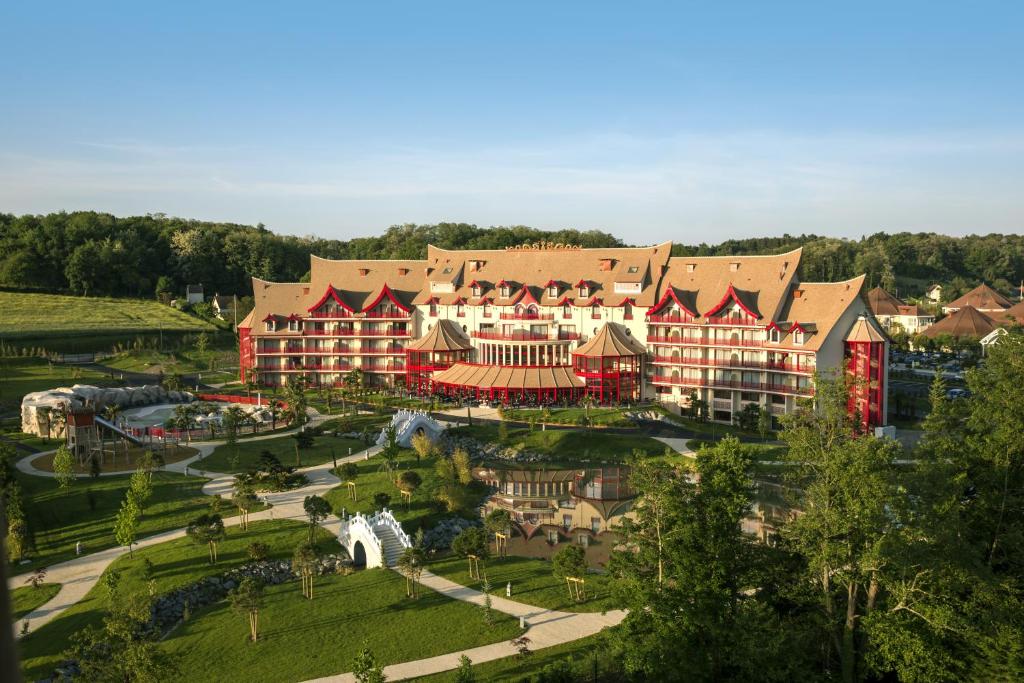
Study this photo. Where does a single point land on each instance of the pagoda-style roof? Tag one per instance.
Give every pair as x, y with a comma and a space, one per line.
983, 298
865, 330
445, 336
882, 302
611, 340
968, 322
508, 376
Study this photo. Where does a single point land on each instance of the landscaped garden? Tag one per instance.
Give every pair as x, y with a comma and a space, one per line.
533, 583
565, 446
120, 461
301, 639
174, 564
605, 416
243, 455
25, 599
86, 511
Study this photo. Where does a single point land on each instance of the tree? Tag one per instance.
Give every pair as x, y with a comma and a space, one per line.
365, 668
690, 576
411, 563
381, 500
126, 525
305, 563
123, 649
207, 529
423, 446
232, 417
18, 537
570, 562
498, 521
474, 545
202, 343
461, 464
140, 488
848, 494
764, 423
244, 499
247, 599
317, 510
64, 468
408, 482
464, 674
37, 578
748, 417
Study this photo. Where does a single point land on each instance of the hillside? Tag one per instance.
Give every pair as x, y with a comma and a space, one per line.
50, 315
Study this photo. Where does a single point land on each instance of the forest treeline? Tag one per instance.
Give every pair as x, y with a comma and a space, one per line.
99, 254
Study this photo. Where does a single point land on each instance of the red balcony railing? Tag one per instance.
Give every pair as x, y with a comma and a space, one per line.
527, 316
670, 319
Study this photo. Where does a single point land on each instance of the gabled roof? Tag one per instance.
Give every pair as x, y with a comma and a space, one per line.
445, 336
362, 282
611, 340
745, 300
968, 323
685, 301
817, 307
882, 302
983, 298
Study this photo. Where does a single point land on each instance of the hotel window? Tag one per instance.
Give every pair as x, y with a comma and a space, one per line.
567, 521
773, 335
798, 337
595, 312
293, 325
270, 325
447, 270
566, 311
553, 291
433, 309
632, 269
584, 290
477, 290
505, 291
487, 310
459, 312
627, 311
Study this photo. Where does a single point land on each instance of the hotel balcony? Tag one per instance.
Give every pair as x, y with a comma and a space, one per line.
768, 387
527, 316
700, 341
525, 335
739, 364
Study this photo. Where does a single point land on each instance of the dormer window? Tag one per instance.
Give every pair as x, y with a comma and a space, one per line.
477, 289
798, 337
293, 325
734, 267
270, 325
487, 309
460, 311
566, 311
553, 291
595, 312
690, 267
627, 311
633, 270
505, 290
433, 308
584, 289
403, 271
364, 271
773, 335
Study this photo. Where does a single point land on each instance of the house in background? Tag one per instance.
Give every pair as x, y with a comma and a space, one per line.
895, 314
934, 293
194, 294
982, 298
223, 306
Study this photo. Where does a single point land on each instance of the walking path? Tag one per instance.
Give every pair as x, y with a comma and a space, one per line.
546, 627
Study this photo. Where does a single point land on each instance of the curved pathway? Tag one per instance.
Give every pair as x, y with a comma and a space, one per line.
546, 627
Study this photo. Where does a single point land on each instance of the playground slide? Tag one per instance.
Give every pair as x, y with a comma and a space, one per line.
117, 430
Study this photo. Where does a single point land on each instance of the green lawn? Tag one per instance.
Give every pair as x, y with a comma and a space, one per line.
712, 429
569, 446
46, 315
217, 365
585, 654
372, 480
60, 520
532, 583
767, 452
302, 639
356, 423
20, 376
605, 417
24, 599
242, 455
177, 563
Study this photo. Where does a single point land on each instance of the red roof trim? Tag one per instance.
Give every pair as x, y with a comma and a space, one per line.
798, 326
730, 294
670, 293
385, 291
583, 283
628, 300
271, 318
502, 283
474, 283
566, 299
775, 325
458, 301
593, 300
294, 316
550, 283
332, 294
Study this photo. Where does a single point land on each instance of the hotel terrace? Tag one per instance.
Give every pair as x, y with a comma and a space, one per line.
549, 323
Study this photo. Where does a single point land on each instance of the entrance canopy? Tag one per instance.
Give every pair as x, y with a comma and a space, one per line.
504, 382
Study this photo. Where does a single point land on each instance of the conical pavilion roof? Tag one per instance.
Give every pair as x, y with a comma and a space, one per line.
967, 322
865, 330
611, 340
445, 336
982, 297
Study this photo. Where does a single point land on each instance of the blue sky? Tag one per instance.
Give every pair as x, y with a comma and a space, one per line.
683, 121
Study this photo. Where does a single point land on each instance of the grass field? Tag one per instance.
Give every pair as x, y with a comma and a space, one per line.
569, 446
371, 480
60, 520
216, 366
603, 417
177, 563
20, 376
761, 451
302, 639
24, 599
241, 456
120, 462
586, 654
41, 315
532, 583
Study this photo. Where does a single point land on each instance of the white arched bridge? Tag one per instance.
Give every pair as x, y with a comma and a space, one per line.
376, 540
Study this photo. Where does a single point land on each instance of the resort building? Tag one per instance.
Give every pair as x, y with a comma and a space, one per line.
896, 315
551, 323
982, 298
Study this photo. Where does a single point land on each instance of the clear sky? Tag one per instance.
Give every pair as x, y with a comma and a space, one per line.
677, 120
